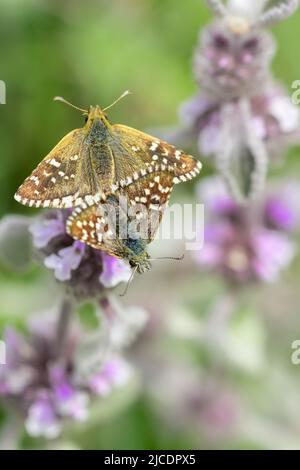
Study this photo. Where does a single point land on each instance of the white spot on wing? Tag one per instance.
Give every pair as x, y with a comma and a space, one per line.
54, 162
154, 146
89, 200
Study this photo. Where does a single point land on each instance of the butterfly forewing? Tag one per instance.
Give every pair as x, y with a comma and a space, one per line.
56, 180
149, 154
90, 163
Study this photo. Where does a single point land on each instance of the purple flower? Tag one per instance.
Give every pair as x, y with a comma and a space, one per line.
65, 261
228, 65
41, 419
273, 252
86, 270
241, 116
43, 376
279, 214
274, 119
44, 230
113, 374
235, 51
282, 209
113, 271
246, 243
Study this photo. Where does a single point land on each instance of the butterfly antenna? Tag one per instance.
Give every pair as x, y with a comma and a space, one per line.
168, 258
60, 98
129, 282
126, 93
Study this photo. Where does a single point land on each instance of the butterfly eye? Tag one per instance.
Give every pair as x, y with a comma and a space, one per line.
86, 118
251, 45
220, 42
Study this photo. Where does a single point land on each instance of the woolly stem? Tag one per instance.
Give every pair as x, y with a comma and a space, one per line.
63, 323
217, 7
278, 13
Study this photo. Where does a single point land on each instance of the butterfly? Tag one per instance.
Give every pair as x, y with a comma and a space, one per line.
100, 228
97, 160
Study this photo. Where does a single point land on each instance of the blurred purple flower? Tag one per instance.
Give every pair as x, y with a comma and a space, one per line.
282, 208
272, 253
67, 260
241, 116
113, 373
83, 268
42, 377
274, 119
42, 420
113, 271
279, 214
245, 243
228, 65
43, 231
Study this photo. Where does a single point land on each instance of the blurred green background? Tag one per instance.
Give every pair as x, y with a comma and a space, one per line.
90, 52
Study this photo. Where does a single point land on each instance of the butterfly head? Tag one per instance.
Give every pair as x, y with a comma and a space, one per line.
141, 263
95, 116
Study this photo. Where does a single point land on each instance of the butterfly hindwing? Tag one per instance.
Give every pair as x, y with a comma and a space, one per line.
92, 226
151, 194
95, 225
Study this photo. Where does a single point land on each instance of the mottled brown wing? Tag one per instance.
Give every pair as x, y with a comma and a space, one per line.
80, 169
55, 182
151, 195
147, 200
137, 154
92, 226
